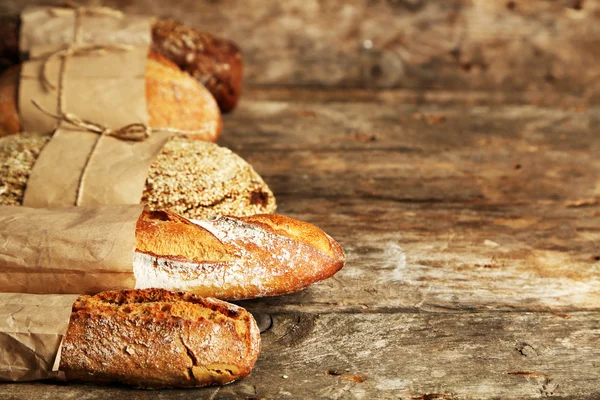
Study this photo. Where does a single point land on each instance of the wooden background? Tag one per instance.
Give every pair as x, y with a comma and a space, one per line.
451, 146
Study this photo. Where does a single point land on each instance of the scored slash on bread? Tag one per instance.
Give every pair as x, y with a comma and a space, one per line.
232, 258
158, 339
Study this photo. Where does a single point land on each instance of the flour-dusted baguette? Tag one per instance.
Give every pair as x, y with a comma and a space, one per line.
86, 250
215, 62
232, 258
158, 339
193, 178
173, 99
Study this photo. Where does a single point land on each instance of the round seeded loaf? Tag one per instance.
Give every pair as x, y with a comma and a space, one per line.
193, 178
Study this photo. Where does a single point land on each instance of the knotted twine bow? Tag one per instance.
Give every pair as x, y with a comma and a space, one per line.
135, 132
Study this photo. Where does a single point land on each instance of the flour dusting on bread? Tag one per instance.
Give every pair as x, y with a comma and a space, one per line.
260, 261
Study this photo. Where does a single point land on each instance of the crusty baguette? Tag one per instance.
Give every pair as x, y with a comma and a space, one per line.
232, 258
158, 339
174, 99
190, 177
215, 62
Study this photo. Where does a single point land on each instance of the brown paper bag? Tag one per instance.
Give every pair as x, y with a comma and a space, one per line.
69, 250
78, 167
31, 332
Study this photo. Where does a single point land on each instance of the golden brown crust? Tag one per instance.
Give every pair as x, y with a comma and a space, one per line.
158, 339
174, 99
233, 258
296, 230
166, 233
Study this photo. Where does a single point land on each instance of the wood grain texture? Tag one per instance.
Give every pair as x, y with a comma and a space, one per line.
445, 207
544, 50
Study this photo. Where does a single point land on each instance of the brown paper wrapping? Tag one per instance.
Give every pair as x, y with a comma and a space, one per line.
69, 250
78, 167
31, 332
55, 26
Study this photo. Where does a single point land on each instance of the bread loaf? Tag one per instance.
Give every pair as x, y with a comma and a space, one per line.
215, 62
174, 99
193, 178
232, 258
158, 339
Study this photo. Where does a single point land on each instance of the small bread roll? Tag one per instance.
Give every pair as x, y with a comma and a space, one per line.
174, 99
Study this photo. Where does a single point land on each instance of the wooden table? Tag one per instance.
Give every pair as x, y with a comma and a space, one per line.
456, 162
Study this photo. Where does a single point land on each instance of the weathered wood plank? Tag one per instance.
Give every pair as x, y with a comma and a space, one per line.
402, 356
546, 49
514, 155
423, 256
438, 207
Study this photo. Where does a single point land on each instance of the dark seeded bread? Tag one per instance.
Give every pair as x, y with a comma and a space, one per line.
158, 339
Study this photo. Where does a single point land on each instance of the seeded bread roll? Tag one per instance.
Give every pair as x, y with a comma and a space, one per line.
174, 99
217, 63
158, 339
232, 258
190, 177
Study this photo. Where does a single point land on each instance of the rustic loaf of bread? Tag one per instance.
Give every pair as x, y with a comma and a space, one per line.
158, 339
232, 258
215, 62
190, 177
173, 99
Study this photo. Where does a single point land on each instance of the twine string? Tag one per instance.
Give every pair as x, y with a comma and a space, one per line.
75, 50
132, 132
136, 132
